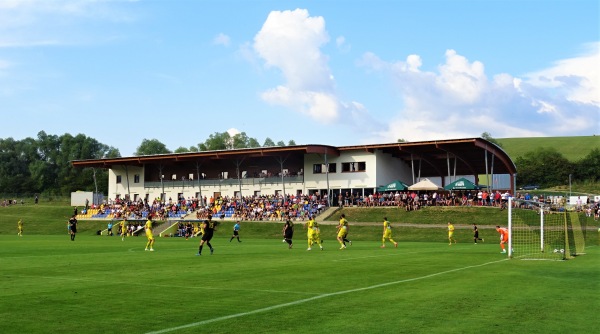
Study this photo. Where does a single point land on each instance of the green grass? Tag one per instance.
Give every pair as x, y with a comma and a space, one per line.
426, 215
103, 285
100, 284
572, 148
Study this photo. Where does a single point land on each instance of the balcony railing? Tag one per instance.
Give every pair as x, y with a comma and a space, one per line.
254, 181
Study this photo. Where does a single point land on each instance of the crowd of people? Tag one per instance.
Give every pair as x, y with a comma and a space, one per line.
121, 208
300, 207
413, 200
264, 207
9, 202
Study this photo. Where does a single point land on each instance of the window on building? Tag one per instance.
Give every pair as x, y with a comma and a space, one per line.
118, 178
322, 168
359, 166
332, 168
136, 178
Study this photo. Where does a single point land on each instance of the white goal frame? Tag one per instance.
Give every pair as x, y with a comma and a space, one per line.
557, 234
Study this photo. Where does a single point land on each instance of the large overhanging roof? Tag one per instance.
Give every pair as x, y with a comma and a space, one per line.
175, 158
434, 158
431, 158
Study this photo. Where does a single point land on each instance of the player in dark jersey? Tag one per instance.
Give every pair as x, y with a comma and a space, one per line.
73, 227
209, 228
476, 234
288, 232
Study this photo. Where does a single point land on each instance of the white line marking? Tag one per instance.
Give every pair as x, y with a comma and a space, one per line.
302, 301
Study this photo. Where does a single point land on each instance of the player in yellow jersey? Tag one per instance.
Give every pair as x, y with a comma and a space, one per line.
387, 233
313, 233
20, 227
317, 235
342, 234
149, 235
202, 229
451, 234
123, 228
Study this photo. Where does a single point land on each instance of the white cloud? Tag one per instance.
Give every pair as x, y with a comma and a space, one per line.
233, 131
461, 80
290, 41
459, 100
577, 79
319, 106
222, 39
342, 45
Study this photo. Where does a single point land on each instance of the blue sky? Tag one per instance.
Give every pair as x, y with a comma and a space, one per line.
318, 72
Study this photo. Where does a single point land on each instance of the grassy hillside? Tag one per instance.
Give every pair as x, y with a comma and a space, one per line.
572, 148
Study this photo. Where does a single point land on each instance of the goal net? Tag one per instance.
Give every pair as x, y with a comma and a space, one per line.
536, 232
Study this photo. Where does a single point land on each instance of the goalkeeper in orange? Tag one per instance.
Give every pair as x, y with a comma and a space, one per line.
503, 237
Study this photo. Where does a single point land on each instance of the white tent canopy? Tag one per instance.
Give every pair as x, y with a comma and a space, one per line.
425, 184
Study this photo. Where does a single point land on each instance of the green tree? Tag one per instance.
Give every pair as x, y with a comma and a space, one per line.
291, 143
14, 171
544, 166
181, 149
44, 165
241, 140
268, 142
487, 136
216, 142
253, 143
150, 147
112, 152
281, 143
401, 140
588, 168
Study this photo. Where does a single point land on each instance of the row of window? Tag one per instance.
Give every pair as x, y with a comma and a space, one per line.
136, 178
347, 167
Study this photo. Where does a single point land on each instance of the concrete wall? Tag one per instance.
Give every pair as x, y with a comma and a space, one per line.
390, 169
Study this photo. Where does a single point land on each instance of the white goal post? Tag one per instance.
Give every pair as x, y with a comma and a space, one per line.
536, 232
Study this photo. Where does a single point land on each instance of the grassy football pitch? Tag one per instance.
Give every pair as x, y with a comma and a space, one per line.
100, 284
